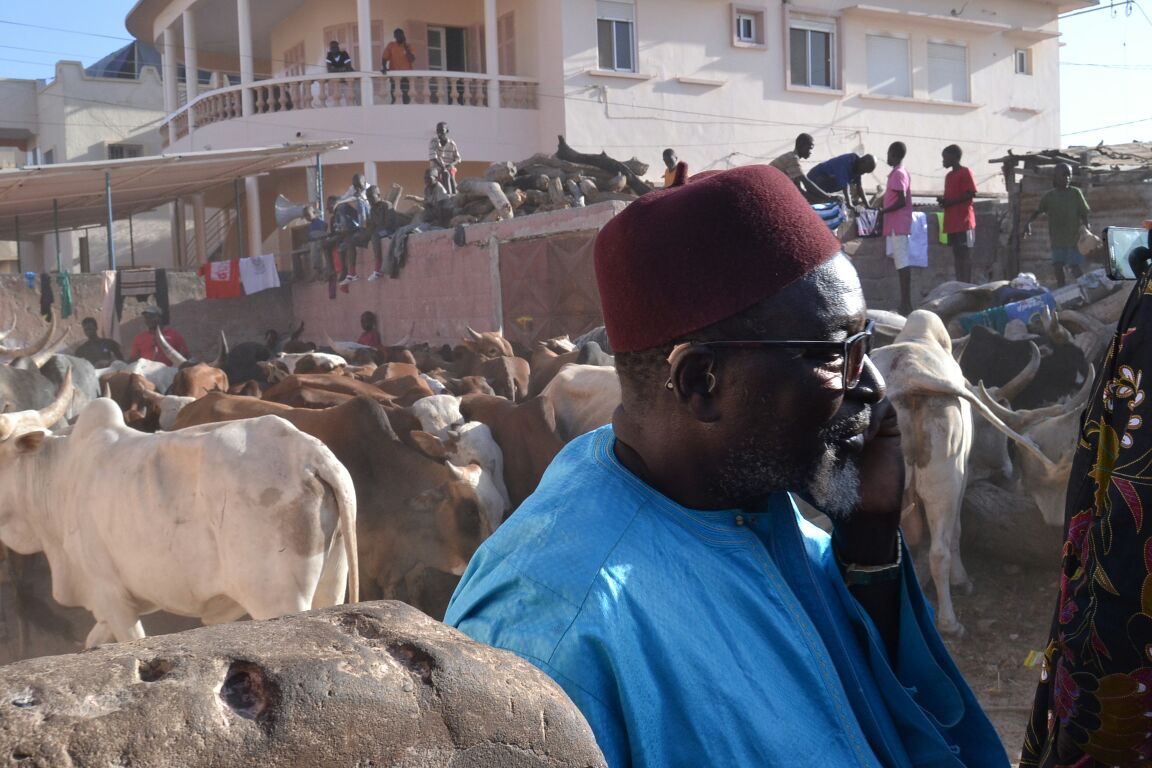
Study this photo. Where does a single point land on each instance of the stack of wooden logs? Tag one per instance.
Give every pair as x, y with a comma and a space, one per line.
567, 179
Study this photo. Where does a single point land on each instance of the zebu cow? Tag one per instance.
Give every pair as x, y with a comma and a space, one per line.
322, 390
490, 355
414, 511
1055, 430
128, 529
583, 397
933, 403
526, 434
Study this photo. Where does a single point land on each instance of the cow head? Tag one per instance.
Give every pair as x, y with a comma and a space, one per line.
22, 434
488, 345
1054, 430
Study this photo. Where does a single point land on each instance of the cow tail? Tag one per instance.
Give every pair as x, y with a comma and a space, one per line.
330, 473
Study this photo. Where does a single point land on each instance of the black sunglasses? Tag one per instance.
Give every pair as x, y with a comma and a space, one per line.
853, 349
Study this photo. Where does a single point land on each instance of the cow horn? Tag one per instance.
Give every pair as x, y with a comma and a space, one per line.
50, 351
55, 411
105, 389
1012, 389
222, 358
174, 356
407, 337
296, 333
35, 346
476, 335
1006, 415
959, 345
1085, 392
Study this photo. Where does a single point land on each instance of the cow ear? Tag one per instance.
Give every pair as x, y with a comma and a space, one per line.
430, 445
30, 442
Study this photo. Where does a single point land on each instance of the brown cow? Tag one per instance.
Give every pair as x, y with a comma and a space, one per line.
322, 390
197, 380
129, 391
526, 434
402, 381
548, 357
413, 512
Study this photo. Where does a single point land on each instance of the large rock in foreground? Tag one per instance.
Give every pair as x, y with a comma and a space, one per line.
370, 684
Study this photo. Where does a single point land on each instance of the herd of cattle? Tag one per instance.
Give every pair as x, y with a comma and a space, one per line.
265, 484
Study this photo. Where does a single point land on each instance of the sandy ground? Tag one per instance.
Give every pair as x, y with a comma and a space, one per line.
1005, 617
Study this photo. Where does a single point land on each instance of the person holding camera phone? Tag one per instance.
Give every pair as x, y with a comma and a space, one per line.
1067, 211
398, 57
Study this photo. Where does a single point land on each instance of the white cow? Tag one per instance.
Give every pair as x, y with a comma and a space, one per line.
934, 406
212, 522
438, 414
584, 397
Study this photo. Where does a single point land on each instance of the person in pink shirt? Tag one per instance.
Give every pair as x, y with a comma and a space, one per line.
897, 218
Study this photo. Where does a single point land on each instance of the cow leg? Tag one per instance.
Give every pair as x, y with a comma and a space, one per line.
123, 625
959, 574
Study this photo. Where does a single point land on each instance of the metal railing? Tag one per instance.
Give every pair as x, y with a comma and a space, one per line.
325, 91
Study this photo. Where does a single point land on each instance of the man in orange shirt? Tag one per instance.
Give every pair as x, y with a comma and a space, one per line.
398, 56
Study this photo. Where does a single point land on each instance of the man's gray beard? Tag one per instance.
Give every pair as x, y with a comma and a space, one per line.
757, 468
835, 485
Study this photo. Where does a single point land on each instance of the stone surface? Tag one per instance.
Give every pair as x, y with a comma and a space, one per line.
370, 684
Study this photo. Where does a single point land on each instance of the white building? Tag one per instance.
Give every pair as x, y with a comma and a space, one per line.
112, 110
723, 83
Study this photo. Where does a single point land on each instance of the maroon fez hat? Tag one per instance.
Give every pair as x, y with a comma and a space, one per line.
683, 258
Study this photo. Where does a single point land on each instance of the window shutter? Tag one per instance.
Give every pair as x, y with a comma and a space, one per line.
615, 10
888, 66
948, 72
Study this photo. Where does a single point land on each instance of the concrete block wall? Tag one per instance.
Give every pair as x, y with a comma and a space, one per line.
442, 288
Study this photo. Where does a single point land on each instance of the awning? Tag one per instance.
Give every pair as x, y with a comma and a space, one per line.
138, 184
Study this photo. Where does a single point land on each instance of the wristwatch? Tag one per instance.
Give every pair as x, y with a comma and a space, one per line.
865, 575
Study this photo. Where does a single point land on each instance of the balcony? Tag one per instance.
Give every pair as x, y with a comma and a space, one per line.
469, 90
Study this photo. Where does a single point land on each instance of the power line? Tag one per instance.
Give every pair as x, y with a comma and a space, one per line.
1106, 127
61, 29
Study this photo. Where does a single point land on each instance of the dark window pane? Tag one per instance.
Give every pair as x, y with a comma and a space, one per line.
624, 46
604, 41
798, 56
821, 58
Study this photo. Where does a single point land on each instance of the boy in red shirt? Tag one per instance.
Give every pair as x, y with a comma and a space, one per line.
959, 215
145, 346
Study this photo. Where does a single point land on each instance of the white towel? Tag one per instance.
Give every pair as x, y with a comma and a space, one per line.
918, 247
258, 273
109, 325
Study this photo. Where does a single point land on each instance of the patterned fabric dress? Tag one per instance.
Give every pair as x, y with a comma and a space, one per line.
1095, 694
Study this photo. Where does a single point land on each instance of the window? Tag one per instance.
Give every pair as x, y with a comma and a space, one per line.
747, 27
1023, 61
948, 72
812, 53
615, 35
448, 48
506, 43
888, 66
123, 151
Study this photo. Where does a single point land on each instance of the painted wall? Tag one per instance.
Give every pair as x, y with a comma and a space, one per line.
442, 287
749, 114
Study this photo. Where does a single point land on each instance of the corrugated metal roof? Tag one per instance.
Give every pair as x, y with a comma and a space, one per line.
138, 184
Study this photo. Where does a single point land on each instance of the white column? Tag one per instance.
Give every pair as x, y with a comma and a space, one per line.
370, 171
252, 214
491, 53
247, 68
191, 61
168, 68
366, 64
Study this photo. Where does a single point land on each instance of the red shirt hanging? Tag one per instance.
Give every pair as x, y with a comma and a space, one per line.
222, 279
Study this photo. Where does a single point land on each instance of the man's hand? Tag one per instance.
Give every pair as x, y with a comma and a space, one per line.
868, 535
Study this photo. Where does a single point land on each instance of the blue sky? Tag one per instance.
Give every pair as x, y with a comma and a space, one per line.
1106, 58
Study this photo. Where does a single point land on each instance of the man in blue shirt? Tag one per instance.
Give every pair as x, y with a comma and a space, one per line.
661, 572
841, 176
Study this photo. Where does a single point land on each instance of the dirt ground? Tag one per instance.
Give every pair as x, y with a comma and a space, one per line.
1006, 616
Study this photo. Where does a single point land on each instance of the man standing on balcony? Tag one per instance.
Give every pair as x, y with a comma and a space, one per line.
337, 59
443, 157
398, 56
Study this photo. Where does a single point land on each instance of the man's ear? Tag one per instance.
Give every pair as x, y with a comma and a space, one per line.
693, 381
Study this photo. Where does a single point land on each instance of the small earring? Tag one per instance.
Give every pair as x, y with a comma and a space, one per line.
711, 379
668, 385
